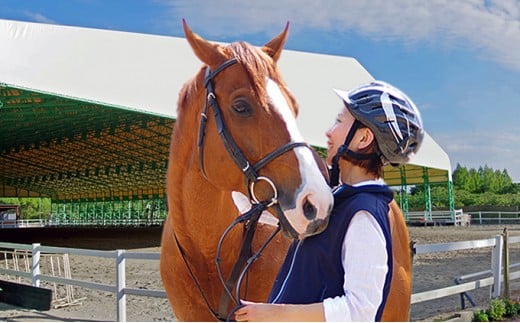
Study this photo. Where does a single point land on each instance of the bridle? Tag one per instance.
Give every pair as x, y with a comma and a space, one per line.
249, 218
249, 171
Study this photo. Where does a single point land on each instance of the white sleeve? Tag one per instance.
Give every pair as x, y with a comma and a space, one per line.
364, 260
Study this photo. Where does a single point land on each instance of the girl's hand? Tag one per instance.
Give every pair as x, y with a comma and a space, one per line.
262, 312
256, 312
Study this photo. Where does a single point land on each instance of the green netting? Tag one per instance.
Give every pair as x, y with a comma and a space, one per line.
108, 213
70, 149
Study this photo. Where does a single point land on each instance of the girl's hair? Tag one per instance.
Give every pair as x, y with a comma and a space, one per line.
373, 165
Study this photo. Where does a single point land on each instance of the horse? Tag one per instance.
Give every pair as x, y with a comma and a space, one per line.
235, 145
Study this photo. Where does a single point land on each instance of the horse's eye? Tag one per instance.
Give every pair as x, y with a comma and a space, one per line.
241, 107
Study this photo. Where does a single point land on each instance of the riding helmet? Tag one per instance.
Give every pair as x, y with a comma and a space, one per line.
391, 115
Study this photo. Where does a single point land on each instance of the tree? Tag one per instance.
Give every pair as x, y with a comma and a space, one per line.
30, 207
460, 177
474, 183
507, 183
487, 177
479, 187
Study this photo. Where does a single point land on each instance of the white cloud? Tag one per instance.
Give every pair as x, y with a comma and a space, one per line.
490, 27
498, 150
37, 17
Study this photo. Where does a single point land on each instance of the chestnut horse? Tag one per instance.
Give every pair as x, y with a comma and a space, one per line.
235, 142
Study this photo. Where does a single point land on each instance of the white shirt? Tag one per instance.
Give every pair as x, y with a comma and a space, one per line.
364, 260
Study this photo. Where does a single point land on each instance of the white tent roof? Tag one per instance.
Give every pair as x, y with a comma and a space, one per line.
145, 73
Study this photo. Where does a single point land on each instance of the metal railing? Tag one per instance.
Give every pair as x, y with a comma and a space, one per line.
34, 223
476, 217
435, 217
22, 223
495, 217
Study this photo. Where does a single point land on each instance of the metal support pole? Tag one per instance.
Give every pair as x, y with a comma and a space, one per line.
129, 211
427, 195
451, 200
35, 270
404, 193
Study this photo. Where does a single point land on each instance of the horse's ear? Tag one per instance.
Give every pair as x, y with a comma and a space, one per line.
209, 53
274, 47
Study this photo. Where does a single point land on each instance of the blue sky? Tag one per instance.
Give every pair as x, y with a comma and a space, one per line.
458, 60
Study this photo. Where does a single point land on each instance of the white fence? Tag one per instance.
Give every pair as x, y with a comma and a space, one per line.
33, 223
22, 223
495, 217
459, 218
463, 218
120, 290
495, 273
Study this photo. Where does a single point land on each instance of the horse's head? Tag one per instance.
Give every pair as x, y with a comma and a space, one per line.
248, 134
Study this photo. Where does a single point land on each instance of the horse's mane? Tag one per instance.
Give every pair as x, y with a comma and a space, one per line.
257, 65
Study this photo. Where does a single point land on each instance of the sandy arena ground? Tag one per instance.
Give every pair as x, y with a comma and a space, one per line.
431, 271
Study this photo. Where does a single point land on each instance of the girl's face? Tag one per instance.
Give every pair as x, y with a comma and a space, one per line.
338, 132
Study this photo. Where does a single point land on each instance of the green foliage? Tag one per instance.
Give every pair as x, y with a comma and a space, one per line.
472, 187
483, 180
30, 207
480, 316
483, 187
465, 198
497, 309
512, 308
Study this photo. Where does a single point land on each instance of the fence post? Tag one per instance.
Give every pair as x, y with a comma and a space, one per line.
120, 286
35, 270
496, 266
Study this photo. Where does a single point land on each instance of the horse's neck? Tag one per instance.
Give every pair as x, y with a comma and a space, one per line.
200, 211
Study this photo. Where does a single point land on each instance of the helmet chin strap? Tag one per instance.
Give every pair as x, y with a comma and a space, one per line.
334, 171
343, 150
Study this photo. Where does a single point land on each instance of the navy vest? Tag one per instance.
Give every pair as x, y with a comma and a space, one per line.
312, 270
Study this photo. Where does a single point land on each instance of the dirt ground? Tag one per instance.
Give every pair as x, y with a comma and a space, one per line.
430, 271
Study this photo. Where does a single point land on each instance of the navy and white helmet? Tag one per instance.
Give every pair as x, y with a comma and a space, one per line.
391, 115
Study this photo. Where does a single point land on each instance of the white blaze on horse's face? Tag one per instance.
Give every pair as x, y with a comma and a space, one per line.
313, 200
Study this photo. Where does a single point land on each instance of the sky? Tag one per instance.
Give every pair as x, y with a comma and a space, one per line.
459, 60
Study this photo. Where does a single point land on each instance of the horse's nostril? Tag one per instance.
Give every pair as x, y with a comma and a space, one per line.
309, 210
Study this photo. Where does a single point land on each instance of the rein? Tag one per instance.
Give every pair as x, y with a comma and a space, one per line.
246, 257
238, 272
